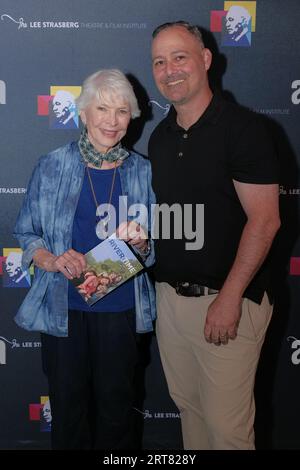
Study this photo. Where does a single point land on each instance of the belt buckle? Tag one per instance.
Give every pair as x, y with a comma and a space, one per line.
187, 289
179, 286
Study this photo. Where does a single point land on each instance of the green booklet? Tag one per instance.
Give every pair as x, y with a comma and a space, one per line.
109, 264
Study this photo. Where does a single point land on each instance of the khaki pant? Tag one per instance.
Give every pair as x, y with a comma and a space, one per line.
212, 386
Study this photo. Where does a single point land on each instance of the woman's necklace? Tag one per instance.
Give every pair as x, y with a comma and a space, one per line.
102, 225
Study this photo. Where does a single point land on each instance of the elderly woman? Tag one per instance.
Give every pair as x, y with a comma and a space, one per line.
89, 353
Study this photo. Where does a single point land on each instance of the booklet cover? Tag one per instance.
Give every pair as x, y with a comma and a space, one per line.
109, 265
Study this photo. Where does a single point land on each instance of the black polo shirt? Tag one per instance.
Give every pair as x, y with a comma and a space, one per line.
198, 166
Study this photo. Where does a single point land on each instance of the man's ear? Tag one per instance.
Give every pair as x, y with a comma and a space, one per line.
207, 57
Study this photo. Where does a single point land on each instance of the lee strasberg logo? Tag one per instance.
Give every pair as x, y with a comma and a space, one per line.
287, 191
16, 345
37, 24
295, 345
11, 269
2, 92
22, 24
164, 108
41, 412
158, 414
296, 94
60, 106
236, 23
12, 190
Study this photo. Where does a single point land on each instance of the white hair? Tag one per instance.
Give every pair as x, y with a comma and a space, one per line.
110, 82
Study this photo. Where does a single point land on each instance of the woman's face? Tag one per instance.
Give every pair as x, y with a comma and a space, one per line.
106, 120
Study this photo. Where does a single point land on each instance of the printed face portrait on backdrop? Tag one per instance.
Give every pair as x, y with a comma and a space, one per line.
236, 23
46, 416
60, 106
63, 113
237, 27
13, 275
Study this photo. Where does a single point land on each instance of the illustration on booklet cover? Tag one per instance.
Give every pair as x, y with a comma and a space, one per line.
109, 265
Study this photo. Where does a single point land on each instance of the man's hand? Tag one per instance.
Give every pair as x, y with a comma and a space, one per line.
260, 203
134, 234
222, 320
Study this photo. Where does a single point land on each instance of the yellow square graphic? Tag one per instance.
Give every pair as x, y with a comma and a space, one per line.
44, 400
6, 251
74, 90
250, 6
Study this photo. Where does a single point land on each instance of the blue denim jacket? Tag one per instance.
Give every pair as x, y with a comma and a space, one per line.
46, 221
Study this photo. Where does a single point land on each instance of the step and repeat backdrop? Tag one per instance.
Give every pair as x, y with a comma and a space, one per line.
46, 50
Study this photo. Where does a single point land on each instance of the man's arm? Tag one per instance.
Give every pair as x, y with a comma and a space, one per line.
260, 203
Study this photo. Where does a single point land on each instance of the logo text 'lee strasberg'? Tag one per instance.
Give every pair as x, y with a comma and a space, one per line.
36, 24
24, 24
166, 222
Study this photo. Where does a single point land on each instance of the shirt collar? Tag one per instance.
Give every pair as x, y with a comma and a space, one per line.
210, 115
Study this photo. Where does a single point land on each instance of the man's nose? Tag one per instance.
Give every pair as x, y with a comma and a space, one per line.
170, 67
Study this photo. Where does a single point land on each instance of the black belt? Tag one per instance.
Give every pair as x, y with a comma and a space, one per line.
190, 289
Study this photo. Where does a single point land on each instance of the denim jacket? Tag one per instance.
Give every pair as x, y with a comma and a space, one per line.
46, 221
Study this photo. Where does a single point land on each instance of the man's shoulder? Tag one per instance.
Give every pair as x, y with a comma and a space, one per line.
236, 112
240, 120
238, 116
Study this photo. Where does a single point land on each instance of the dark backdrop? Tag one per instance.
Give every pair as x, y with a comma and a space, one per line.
57, 44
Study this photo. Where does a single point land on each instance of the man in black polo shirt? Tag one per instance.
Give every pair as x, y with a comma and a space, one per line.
213, 157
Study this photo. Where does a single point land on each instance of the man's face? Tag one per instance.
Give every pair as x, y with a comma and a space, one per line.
13, 264
61, 104
180, 65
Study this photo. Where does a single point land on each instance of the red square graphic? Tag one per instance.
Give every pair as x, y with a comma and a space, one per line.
216, 20
2, 260
43, 105
295, 266
35, 412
